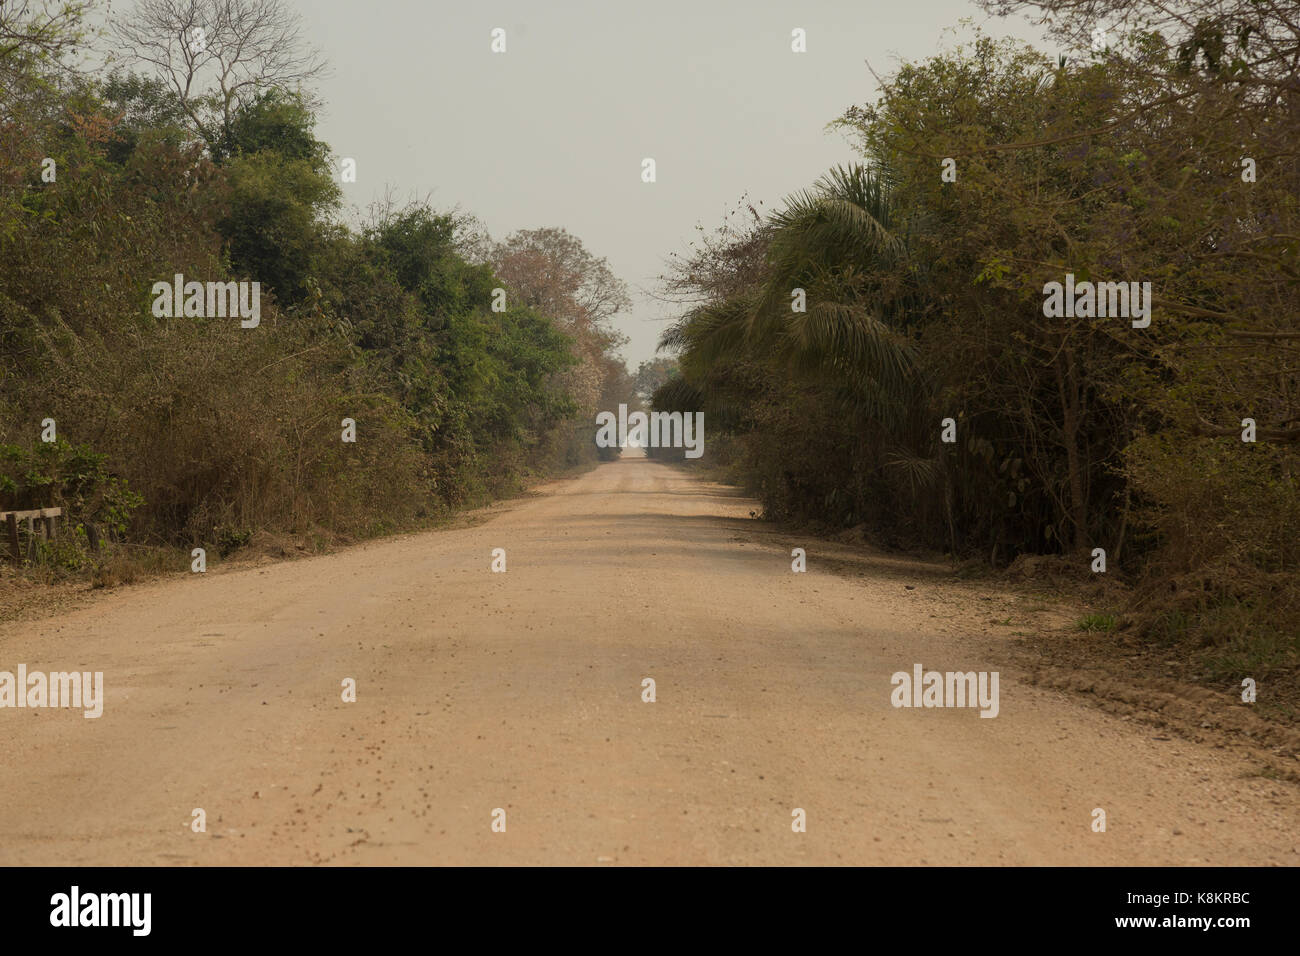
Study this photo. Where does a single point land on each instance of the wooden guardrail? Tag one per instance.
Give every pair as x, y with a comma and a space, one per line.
48, 529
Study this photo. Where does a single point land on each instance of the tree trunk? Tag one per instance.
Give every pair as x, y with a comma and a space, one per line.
1071, 424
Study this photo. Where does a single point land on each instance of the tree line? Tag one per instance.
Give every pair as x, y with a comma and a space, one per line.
467, 365
877, 353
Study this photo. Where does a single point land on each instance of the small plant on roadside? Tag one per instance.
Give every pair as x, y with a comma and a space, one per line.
1098, 622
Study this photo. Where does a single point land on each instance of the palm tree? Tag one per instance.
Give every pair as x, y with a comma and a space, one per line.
840, 244
837, 243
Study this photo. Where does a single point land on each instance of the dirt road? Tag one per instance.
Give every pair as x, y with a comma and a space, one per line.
523, 691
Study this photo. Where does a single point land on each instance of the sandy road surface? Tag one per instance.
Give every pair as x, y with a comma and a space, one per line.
523, 690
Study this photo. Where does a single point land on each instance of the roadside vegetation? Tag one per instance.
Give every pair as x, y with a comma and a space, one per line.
834, 344
170, 433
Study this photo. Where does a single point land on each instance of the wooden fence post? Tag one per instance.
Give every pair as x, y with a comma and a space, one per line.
40, 521
12, 522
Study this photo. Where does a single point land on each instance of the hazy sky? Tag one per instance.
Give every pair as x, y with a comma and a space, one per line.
553, 131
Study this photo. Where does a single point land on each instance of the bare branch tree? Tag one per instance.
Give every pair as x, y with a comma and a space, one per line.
217, 55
